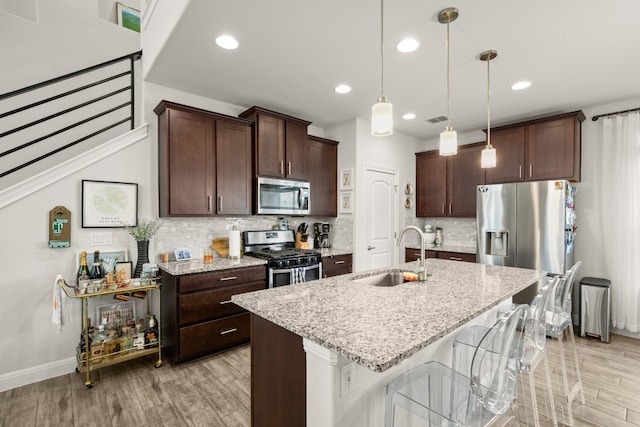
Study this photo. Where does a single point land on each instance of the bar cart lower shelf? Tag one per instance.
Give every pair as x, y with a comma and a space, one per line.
99, 355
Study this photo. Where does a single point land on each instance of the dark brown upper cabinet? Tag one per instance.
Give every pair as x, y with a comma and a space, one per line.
281, 149
204, 162
322, 172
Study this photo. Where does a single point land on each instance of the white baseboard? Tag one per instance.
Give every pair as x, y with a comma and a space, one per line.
37, 373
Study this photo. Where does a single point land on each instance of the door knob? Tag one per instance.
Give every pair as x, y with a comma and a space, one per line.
370, 247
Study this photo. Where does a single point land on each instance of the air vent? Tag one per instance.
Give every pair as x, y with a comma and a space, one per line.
437, 119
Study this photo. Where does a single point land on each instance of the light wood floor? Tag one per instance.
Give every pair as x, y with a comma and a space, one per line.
215, 391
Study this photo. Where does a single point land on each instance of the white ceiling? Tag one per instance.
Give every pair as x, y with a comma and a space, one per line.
577, 54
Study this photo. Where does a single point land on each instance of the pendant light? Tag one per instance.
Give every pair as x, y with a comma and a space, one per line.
448, 138
488, 159
382, 110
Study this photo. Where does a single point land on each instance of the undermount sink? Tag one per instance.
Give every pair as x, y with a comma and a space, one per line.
390, 278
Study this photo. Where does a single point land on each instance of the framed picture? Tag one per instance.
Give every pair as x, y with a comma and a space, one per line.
346, 179
128, 17
346, 202
109, 204
108, 258
126, 267
111, 315
183, 254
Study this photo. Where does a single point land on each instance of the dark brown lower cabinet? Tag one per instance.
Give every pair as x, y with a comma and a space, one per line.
198, 317
278, 376
336, 265
412, 254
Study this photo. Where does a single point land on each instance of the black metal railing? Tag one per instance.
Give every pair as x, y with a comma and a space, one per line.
55, 115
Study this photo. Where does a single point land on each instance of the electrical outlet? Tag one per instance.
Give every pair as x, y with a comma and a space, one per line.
347, 378
101, 239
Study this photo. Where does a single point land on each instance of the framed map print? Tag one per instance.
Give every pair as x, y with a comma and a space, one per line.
109, 204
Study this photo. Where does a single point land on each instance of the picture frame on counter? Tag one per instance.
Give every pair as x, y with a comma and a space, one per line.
346, 202
109, 204
183, 254
346, 179
128, 17
126, 267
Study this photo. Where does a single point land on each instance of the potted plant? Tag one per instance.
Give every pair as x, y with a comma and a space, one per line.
142, 233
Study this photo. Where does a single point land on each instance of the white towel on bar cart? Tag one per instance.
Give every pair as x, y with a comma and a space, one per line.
59, 314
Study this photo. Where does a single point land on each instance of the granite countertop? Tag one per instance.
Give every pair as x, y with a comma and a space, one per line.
463, 249
177, 268
378, 327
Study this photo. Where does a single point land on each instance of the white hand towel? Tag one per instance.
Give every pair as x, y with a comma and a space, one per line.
58, 308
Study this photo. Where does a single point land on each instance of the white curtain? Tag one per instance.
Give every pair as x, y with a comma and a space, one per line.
620, 198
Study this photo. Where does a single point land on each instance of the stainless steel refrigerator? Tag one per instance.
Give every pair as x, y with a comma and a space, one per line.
527, 224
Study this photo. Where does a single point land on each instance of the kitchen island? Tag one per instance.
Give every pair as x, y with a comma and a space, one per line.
333, 322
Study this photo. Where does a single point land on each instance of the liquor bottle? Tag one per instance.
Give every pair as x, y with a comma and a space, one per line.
96, 269
151, 334
84, 339
83, 270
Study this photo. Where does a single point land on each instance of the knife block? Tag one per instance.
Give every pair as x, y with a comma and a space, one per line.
299, 243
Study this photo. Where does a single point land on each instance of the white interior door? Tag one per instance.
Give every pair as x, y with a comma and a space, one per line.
380, 218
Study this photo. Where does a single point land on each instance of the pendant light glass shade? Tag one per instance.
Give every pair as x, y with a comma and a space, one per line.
448, 142
448, 138
382, 118
382, 110
488, 159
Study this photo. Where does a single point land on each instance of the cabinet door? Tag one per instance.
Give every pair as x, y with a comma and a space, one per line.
509, 145
322, 172
297, 150
457, 256
270, 146
463, 175
191, 167
233, 167
551, 150
431, 184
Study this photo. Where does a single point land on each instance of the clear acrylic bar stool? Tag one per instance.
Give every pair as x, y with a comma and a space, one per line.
526, 357
558, 324
441, 396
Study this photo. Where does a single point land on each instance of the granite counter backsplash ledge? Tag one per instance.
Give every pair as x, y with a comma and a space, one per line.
378, 327
177, 268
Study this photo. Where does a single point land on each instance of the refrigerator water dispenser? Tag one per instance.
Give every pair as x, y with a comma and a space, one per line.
497, 243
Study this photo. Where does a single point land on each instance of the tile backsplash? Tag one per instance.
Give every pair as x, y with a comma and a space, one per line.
198, 233
456, 231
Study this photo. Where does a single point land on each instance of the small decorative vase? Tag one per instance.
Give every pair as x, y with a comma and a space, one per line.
143, 256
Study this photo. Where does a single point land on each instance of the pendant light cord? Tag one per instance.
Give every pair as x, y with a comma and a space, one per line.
448, 82
381, 50
488, 104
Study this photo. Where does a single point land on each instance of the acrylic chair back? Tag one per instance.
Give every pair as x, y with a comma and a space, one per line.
492, 376
559, 308
534, 340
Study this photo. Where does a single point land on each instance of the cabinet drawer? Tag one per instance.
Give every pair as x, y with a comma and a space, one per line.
215, 335
457, 256
202, 281
212, 304
411, 254
336, 265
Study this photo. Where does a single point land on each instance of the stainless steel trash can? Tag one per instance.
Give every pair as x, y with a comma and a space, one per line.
595, 307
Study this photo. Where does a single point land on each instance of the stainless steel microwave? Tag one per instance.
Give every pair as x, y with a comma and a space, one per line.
282, 197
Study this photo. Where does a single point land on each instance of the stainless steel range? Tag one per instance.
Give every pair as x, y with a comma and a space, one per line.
286, 265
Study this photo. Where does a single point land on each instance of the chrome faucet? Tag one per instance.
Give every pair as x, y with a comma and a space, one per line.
422, 272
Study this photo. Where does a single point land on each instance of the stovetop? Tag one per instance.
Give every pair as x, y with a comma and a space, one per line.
283, 253
278, 247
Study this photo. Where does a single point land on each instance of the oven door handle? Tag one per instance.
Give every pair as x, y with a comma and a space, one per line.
288, 270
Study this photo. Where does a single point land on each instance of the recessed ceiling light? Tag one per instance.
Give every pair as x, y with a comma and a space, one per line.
409, 116
226, 41
343, 89
407, 45
520, 85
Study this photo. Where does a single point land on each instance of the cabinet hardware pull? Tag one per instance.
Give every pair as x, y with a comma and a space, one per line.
519, 171
281, 167
450, 208
220, 201
339, 262
209, 203
223, 279
455, 258
228, 331
225, 302
289, 173
443, 209
530, 170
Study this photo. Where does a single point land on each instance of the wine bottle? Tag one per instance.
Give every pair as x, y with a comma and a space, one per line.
151, 334
83, 270
96, 269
